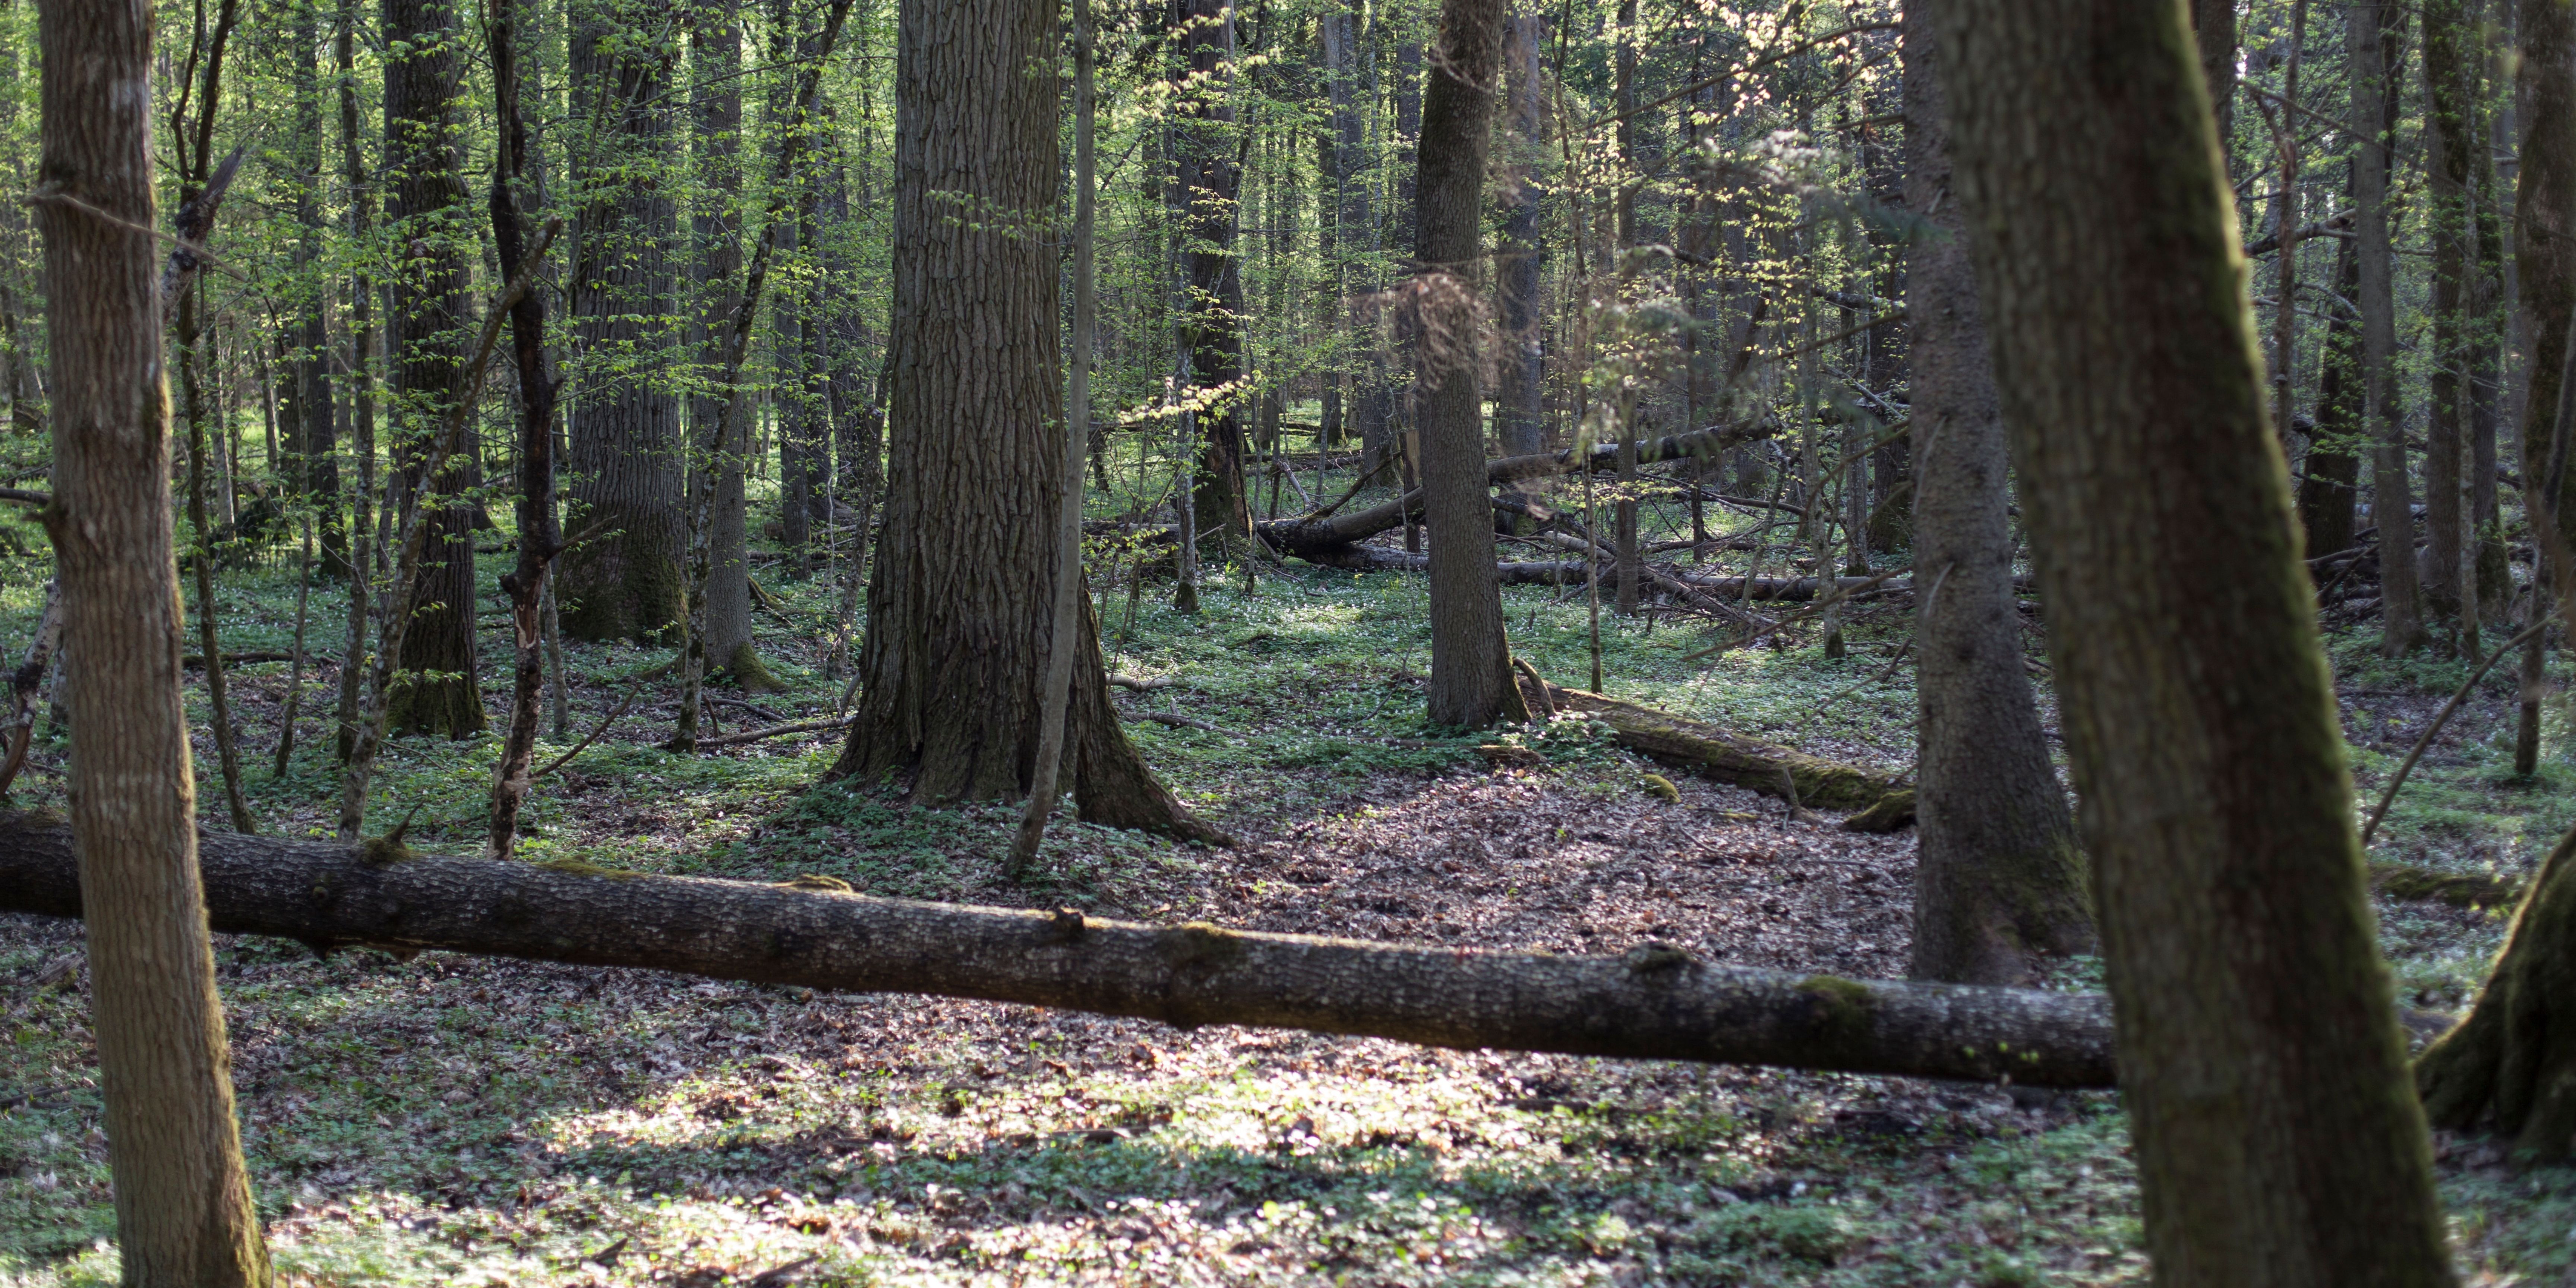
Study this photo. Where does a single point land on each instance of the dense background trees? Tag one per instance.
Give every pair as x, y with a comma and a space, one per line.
1658, 302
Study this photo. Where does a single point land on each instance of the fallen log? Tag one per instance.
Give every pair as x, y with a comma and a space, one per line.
1794, 776
1654, 1003
1305, 537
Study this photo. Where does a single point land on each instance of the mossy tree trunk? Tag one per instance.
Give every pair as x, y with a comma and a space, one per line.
957, 621
623, 580
2000, 879
2278, 1139
2510, 1067
437, 692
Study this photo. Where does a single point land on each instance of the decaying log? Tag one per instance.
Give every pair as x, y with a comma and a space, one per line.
1306, 537
1656, 1002
1795, 776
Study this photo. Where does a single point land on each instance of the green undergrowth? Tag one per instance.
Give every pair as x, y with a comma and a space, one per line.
448, 1120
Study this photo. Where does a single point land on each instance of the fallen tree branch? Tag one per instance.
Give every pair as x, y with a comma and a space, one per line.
1655, 1003
774, 731
1773, 770
584, 745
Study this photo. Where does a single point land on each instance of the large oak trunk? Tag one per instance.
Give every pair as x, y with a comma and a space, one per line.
2510, 1066
425, 197
2278, 1140
623, 580
957, 624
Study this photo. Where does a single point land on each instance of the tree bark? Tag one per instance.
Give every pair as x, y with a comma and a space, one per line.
2450, 136
185, 1217
956, 626
1471, 659
2278, 1141
437, 691
624, 580
313, 468
1211, 185
354, 699
2545, 227
2373, 30
540, 537
2213, 30
2510, 1067
2326, 485
1654, 1003
2000, 880
715, 63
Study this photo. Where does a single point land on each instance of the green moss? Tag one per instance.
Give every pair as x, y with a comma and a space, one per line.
2460, 890
817, 881
1661, 788
577, 868
1655, 959
1893, 810
1845, 1009
748, 673
383, 851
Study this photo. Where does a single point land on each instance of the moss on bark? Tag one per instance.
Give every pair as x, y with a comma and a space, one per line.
2511, 1066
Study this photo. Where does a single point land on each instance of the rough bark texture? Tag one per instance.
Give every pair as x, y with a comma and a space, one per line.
1471, 660
1655, 1002
2213, 30
2510, 1067
1999, 879
308, 426
716, 41
957, 626
183, 1204
2373, 31
425, 191
1208, 153
624, 580
2278, 1140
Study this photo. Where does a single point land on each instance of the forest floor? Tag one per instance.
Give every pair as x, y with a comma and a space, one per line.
455, 1120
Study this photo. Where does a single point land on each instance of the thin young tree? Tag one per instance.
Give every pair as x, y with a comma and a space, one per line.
1471, 660
540, 536
2373, 32
2278, 1141
185, 1218
1999, 881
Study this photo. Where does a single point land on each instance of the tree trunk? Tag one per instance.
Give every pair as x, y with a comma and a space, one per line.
354, 699
313, 472
957, 626
1628, 175
436, 691
2000, 880
1471, 660
624, 580
2510, 1067
1520, 417
2450, 136
2545, 228
2373, 30
183, 1203
716, 61
540, 538
1211, 185
2277, 1139
1654, 1003
2213, 24
2326, 488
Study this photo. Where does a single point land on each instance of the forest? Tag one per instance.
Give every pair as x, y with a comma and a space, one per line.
1356, 642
